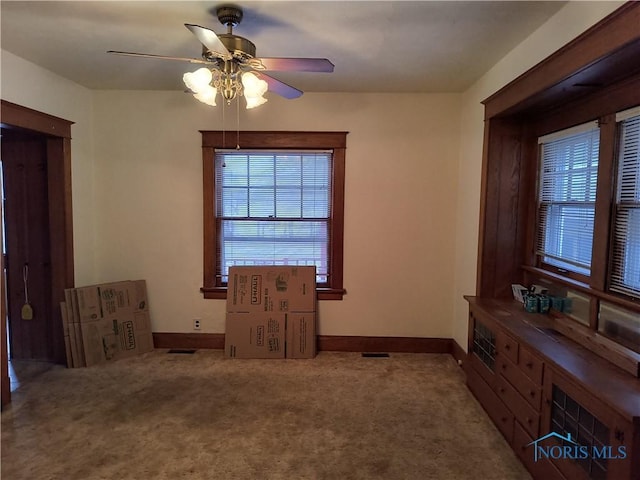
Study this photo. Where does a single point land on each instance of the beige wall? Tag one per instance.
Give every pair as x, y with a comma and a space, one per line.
401, 170
568, 23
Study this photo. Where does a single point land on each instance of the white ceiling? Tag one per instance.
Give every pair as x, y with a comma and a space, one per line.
376, 46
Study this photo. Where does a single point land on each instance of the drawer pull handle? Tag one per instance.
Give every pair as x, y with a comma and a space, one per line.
529, 365
504, 366
619, 435
529, 421
501, 390
507, 347
532, 393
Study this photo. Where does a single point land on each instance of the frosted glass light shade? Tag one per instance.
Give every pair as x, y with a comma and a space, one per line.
207, 95
199, 80
254, 89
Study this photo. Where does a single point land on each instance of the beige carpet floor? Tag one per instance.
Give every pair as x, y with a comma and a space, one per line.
202, 416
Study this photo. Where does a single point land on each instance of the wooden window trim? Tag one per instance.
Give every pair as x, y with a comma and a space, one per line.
212, 140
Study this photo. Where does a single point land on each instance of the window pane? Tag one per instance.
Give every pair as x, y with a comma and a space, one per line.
620, 324
569, 236
566, 200
250, 242
625, 276
259, 190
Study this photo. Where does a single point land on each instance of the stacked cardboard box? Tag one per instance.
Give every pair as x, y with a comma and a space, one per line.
106, 322
271, 312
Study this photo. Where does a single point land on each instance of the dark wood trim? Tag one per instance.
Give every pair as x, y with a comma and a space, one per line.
604, 197
383, 344
325, 343
502, 236
586, 52
274, 139
58, 132
605, 101
214, 341
60, 232
220, 293
458, 353
212, 287
22, 117
610, 350
210, 233
5, 381
337, 221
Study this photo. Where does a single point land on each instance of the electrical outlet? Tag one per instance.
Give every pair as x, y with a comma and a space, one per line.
196, 323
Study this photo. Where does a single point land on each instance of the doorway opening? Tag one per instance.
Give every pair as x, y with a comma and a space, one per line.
37, 261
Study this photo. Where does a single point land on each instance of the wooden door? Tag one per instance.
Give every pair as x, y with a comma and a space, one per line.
28, 265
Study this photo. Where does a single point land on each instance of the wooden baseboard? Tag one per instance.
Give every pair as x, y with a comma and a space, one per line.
383, 344
332, 343
458, 353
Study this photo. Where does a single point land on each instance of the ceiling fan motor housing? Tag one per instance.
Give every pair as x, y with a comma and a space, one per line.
234, 43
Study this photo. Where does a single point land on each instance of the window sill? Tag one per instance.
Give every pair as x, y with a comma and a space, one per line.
220, 293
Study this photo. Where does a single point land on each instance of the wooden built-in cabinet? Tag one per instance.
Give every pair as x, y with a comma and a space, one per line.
533, 381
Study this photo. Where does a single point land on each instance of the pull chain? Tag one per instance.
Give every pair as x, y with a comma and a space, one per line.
238, 123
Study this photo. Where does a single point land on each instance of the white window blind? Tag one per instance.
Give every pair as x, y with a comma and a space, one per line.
625, 271
566, 198
274, 208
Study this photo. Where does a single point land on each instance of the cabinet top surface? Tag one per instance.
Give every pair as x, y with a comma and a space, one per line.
617, 388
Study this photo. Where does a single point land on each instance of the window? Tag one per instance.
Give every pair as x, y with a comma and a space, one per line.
587, 245
273, 208
276, 200
566, 198
625, 275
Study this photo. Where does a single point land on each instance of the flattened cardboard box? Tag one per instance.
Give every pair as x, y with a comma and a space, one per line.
108, 321
110, 299
113, 338
255, 335
301, 335
253, 289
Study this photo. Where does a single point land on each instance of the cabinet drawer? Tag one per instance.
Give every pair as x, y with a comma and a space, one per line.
531, 365
495, 408
531, 392
507, 346
523, 412
540, 469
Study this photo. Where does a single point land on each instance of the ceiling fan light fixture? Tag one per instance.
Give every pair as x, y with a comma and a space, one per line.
207, 95
199, 80
254, 89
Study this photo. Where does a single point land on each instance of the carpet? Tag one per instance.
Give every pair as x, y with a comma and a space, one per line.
203, 416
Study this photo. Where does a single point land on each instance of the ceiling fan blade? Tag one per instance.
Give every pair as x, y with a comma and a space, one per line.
161, 57
297, 64
281, 88
209, 39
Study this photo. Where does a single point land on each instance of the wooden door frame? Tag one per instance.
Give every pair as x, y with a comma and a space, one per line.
58, 133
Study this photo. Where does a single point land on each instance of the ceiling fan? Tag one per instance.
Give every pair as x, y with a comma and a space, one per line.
232, 68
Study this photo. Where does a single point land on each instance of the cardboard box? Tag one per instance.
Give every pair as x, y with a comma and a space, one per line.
107, 322
301, 335
65, 333
75, 335
113, 338
109, 299
254, 289
255, 335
